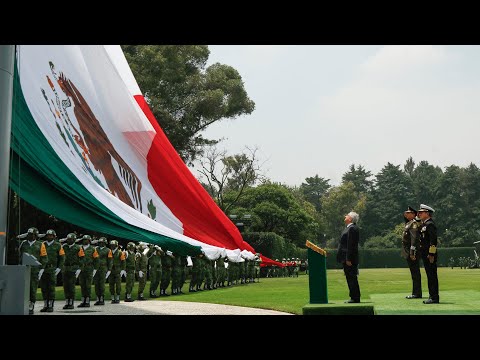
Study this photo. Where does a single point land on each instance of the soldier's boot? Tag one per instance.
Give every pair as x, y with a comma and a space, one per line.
140, 297
205, 286
113, 300
165, 292
67, 302
128, 298
210, 287
31, 306
180, 290
87, 301
50, 305
45, 306
82, 304
102, 300
199, 288
174, 291
98, 301
72, 301
153, 295
117, 299
191, 289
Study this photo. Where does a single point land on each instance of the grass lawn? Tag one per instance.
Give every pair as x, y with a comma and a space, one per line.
385, 288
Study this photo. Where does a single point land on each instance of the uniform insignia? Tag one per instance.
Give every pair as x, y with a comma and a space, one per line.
432, 249
61, 252
43, 250
81, 253
122, 255
95, 254
110, 255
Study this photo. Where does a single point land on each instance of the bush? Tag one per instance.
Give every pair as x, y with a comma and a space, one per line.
391, 258
273, 246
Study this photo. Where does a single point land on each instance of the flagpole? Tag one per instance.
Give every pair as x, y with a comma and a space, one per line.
7, 58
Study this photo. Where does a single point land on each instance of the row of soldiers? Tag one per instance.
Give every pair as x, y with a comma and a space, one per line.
291, 268
92, 261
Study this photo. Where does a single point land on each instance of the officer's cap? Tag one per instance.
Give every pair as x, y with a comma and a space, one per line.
411, 210
424, 208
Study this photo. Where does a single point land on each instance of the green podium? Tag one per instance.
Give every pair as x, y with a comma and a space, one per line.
317, 274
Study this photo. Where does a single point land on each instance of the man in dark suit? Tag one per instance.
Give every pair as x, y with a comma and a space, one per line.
348, 255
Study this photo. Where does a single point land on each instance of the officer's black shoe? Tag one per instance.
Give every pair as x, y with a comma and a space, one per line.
431, 301
45, 306
413, 297
352, 301
87, 302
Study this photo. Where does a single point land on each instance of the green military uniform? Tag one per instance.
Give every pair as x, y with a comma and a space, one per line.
130, 260
56, 258
230, 272
167, 261
221, 271
89, 267
208, 274
141, 261
155, 265
104, 266
257, 262
196, 261
71, 269
250, 276
37, 249
183, 273
176, 274
118, 269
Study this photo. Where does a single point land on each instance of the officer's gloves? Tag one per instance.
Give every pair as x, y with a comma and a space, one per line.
123, 273
140, 274
40, 273
107, 274
77, 273
94, 272
57, 270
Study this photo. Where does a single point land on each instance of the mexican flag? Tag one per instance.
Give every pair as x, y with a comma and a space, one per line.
88, 150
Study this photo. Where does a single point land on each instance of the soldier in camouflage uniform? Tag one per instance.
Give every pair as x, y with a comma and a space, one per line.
155, 265
141, 260
167, 260
71, 269
176, 274
208, 274
183, 273
196, 260
257, 262
230, 272
56, 258
130, 259
37, 249
221, 271
118, 270
104, 267
250, 264
89, 268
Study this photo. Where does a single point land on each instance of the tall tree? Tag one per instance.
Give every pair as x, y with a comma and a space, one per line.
313, 189
359, 177
425, 181
409, 166
186, 96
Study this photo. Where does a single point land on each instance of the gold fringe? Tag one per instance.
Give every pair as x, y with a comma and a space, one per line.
315, 248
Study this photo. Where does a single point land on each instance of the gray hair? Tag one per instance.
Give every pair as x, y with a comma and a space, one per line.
354, 216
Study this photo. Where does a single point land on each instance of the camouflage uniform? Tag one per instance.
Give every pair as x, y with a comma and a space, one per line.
56, 258
183, 273
250, 271
89, 266
104, 265
176, 274
37, 249
208, 275
155, 265
166, 273
130, 259
71, 268
118, 269
221, 271
141, 260
257, 262
196, 260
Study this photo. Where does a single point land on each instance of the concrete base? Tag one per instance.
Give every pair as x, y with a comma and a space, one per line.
14, 289
338, 309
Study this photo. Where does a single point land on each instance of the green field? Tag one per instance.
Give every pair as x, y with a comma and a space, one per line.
385, 288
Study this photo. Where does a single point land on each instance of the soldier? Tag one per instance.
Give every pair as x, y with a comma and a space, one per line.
250, 273
37, 249
89, 268
221, 271
297, 267
428, 248
195, 272
155, 265
176, 274
141, 260
258, 260
409, 251
118, 270
183, 274
104, 270
130, 267
71, 269
56, 258
167, 260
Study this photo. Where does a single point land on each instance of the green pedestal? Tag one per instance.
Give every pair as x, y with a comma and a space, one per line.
317, 277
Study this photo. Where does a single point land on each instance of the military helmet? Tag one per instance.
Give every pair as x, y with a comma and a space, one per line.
71, 236
32, 230
283, 259
276, 259
131, 245
113, 242
87, 237
51, 232
102, 239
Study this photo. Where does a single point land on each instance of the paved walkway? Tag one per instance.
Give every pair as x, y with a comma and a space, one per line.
158, 308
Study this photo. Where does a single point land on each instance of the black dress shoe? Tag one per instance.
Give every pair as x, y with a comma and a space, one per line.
431, 301
412, 297
351, 301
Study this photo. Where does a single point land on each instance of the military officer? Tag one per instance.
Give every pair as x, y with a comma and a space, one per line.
71, 269
221, 271
167, 260
428, 249
104, 270
56, 258
409, 250
176, 273
37, 249
141, 261
155, 265
118, 270
130, 260
195, 272
89, 268
183, 274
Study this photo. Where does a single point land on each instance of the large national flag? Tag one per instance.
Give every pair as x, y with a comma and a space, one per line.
88, 150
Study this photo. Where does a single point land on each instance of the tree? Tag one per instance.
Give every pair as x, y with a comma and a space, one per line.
224, 173
409, 166
359, 177
425, 182
338, 202
313, 189
184, 95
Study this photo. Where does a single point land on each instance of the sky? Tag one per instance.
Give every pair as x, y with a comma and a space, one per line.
319, 109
